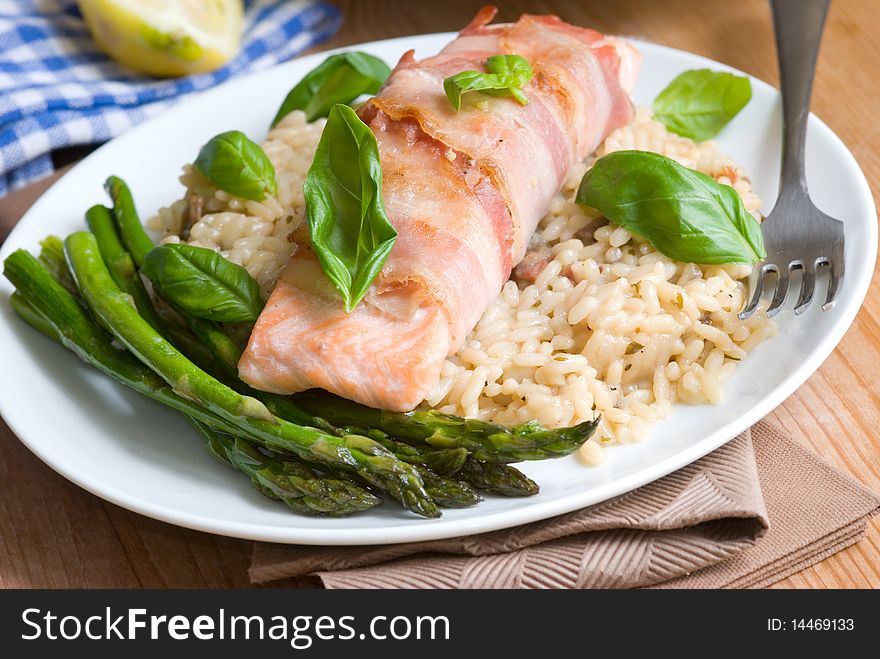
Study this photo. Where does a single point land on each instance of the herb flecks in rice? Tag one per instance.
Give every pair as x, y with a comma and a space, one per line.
598, 323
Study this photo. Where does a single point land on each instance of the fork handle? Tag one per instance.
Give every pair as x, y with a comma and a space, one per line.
798, 26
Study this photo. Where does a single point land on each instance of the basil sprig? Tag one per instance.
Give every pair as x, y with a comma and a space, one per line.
338, 79
202, 283
507, 76
685, 214
237, 165
699, 103
349, 229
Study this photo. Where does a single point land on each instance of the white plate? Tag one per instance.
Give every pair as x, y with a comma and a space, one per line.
135, 453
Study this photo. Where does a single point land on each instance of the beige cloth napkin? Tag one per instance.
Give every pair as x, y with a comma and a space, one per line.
753, 512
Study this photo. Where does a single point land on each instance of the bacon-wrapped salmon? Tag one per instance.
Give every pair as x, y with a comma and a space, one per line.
465, 191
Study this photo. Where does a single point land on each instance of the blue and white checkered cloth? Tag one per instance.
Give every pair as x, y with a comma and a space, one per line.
58, 90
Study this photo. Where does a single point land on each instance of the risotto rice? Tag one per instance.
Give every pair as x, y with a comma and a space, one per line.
594, 321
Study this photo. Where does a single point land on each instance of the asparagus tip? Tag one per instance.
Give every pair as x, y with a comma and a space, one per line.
254, 409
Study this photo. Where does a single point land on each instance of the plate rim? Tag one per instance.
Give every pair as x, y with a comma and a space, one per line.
421, 530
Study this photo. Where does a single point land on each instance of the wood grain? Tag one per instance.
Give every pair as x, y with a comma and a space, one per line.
53, 534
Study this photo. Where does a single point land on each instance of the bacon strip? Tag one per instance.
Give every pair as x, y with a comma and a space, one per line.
465, 192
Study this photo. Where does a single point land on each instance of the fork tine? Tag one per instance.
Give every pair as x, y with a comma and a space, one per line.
756, 285
835, 277
781, 292
808, 287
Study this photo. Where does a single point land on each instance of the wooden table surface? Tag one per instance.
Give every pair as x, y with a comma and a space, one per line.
53, 534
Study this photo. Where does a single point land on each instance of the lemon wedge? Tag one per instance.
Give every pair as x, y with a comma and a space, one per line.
166, 37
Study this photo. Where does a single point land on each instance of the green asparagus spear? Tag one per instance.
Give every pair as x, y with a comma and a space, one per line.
69, 324
491, 477
224, 350
138, 244
294, 483
52, 256
442, 461
118, 260
124, 273
31, 316
433, 465
122, 269
496, 478
448, 492
291, 481
333, 497
444, 471
120, 263
61, 313
132, 231
226, 353
490, 442
352, 453
111, 307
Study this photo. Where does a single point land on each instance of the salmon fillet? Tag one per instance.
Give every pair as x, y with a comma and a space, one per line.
465, 191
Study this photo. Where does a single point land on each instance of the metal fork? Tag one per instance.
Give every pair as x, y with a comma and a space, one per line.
797, 235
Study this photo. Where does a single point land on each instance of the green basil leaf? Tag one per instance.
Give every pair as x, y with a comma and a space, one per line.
685, 214
464, 82
202, 283
237, 165
508, 74
699, 103
512, 68
338, 79
350, 231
